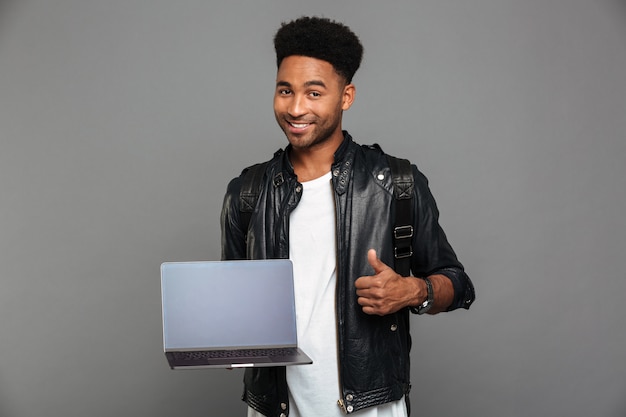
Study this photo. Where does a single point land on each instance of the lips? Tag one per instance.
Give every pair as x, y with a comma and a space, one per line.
298, 127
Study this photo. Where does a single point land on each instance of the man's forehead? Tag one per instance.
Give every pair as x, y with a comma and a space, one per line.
306, 71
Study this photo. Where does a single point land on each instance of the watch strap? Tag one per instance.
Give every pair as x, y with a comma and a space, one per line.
428, 303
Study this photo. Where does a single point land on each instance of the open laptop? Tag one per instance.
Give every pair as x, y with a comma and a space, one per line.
229, 314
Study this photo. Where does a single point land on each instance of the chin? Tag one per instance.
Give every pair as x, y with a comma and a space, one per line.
301, 142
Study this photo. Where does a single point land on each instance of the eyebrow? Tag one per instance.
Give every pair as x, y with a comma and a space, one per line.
306, 84
315, 82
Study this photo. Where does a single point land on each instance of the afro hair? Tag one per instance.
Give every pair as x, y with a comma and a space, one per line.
323, 39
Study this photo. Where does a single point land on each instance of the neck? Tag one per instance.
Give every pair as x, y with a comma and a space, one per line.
311, 163
309, 166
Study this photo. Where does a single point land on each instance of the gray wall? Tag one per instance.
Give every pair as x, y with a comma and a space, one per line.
122, 121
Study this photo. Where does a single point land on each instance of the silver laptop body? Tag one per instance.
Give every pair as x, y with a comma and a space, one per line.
229, 314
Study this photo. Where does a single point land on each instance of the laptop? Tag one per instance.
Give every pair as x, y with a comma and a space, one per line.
229, 314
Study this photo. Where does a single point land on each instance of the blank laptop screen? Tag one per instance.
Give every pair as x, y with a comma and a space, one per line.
227, 304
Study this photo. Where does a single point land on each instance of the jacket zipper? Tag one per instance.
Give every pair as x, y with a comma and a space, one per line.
340, 401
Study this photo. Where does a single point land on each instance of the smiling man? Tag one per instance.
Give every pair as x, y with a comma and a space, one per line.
309, 101
328, 204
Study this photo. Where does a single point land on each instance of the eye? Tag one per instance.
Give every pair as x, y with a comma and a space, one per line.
284, 91
315, 94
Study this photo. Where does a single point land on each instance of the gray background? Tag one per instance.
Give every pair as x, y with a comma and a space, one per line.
121, 123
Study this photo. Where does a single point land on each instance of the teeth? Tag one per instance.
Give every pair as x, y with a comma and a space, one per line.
299, 125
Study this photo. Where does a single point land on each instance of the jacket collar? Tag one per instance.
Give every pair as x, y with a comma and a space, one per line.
341, 169
344, 161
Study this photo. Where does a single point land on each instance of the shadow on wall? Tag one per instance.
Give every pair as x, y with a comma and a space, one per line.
4, 408
620, 6
6, 6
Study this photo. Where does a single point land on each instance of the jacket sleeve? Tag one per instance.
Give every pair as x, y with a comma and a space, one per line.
233, 238
432, 253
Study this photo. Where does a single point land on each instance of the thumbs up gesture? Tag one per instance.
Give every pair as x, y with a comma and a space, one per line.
386, 292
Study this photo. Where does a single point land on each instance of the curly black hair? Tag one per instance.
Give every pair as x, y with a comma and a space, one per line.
320, 38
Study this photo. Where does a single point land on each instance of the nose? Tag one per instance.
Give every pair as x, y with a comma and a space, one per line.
297, 106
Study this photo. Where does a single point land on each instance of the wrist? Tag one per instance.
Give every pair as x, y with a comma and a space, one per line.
427, 303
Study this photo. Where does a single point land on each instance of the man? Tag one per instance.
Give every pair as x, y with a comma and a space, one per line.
328, 205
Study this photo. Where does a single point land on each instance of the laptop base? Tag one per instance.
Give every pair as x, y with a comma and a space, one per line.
245, 359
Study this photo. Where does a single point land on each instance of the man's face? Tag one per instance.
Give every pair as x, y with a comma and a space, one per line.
309, 100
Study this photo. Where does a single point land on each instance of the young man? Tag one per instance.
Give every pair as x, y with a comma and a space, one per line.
328, 205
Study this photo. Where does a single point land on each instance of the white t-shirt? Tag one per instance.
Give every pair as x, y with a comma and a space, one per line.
314, 389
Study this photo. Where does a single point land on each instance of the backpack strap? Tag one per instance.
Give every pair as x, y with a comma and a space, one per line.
249, 193
403, 229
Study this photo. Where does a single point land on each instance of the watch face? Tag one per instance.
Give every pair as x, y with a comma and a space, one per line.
424, 307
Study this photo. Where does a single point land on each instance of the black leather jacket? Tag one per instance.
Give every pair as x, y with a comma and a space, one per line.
373, 351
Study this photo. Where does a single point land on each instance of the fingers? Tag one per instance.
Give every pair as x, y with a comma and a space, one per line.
378, 265
379, 294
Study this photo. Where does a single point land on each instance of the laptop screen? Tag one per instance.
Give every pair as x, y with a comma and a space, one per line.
226, 304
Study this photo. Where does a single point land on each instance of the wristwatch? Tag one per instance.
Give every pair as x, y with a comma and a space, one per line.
426, 305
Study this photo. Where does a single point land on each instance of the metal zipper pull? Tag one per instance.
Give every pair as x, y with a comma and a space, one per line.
342, 405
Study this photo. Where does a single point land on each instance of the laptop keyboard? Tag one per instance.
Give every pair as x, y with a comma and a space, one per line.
239, 353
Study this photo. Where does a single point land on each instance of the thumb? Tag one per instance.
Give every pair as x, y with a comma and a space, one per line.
378, 265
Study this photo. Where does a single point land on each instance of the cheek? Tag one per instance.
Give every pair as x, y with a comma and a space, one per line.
329, 110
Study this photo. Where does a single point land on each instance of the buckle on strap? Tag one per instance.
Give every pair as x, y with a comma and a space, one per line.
403, 232
404, 252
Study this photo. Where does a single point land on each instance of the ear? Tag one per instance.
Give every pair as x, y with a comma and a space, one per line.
349, 92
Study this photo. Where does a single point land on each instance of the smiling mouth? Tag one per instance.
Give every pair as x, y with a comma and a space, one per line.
299, 125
